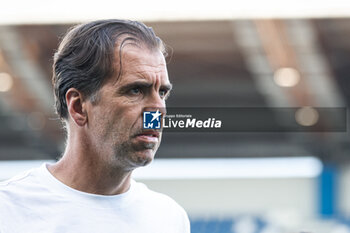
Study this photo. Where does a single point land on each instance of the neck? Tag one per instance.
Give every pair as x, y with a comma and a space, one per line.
84, 169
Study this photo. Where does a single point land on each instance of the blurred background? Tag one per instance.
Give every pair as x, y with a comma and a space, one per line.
273, 54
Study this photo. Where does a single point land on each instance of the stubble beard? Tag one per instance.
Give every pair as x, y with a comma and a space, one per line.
129, 156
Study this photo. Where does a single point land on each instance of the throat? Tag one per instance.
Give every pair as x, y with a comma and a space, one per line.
91, 179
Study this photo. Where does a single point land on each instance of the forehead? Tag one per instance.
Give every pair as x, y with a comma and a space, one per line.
142, 61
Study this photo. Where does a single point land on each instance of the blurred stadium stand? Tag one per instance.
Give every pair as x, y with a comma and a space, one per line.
215, 63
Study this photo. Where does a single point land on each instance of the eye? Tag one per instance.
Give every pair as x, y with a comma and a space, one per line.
163, 93
135, 91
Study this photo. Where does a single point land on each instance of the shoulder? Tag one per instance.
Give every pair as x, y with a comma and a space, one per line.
14, 181
13, 193
162, 203
18, 186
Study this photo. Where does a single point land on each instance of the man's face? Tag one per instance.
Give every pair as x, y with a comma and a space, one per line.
115, 121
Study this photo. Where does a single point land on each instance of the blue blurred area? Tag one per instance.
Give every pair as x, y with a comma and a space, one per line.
206, 226
328, 191
255, 225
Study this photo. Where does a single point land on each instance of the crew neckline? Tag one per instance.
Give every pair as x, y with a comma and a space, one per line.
59, 188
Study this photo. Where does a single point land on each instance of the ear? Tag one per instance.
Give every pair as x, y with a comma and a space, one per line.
76, 106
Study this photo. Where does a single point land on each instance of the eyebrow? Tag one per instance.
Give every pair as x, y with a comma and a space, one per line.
141, 84
136, 84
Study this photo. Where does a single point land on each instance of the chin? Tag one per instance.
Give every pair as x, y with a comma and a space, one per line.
137, 154
143, 158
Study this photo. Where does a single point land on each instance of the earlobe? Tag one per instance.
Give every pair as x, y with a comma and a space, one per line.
76, 106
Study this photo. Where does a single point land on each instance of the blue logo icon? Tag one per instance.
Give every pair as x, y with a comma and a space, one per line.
151, 120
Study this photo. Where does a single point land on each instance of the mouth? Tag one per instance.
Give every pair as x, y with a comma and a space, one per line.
149, 133
149, 136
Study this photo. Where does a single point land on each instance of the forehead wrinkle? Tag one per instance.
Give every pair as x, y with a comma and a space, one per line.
135, 76
141, 63
130, 51
135, 62
132, 75
134, 56
145, 71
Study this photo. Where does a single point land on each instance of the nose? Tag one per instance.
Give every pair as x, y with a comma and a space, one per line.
154, 103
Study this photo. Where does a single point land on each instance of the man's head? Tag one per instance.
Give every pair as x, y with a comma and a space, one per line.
106, 73
86, 57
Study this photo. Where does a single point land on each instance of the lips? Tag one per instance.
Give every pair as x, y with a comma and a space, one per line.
149, 136
149, 133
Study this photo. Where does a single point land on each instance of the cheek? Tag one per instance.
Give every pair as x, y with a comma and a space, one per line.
102, 118
119, 119
125, 120
103, 123
133, 118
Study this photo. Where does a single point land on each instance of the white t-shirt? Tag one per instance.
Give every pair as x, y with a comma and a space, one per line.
36, 202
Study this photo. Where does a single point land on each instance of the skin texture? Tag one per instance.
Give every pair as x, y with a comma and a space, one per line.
106, 141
